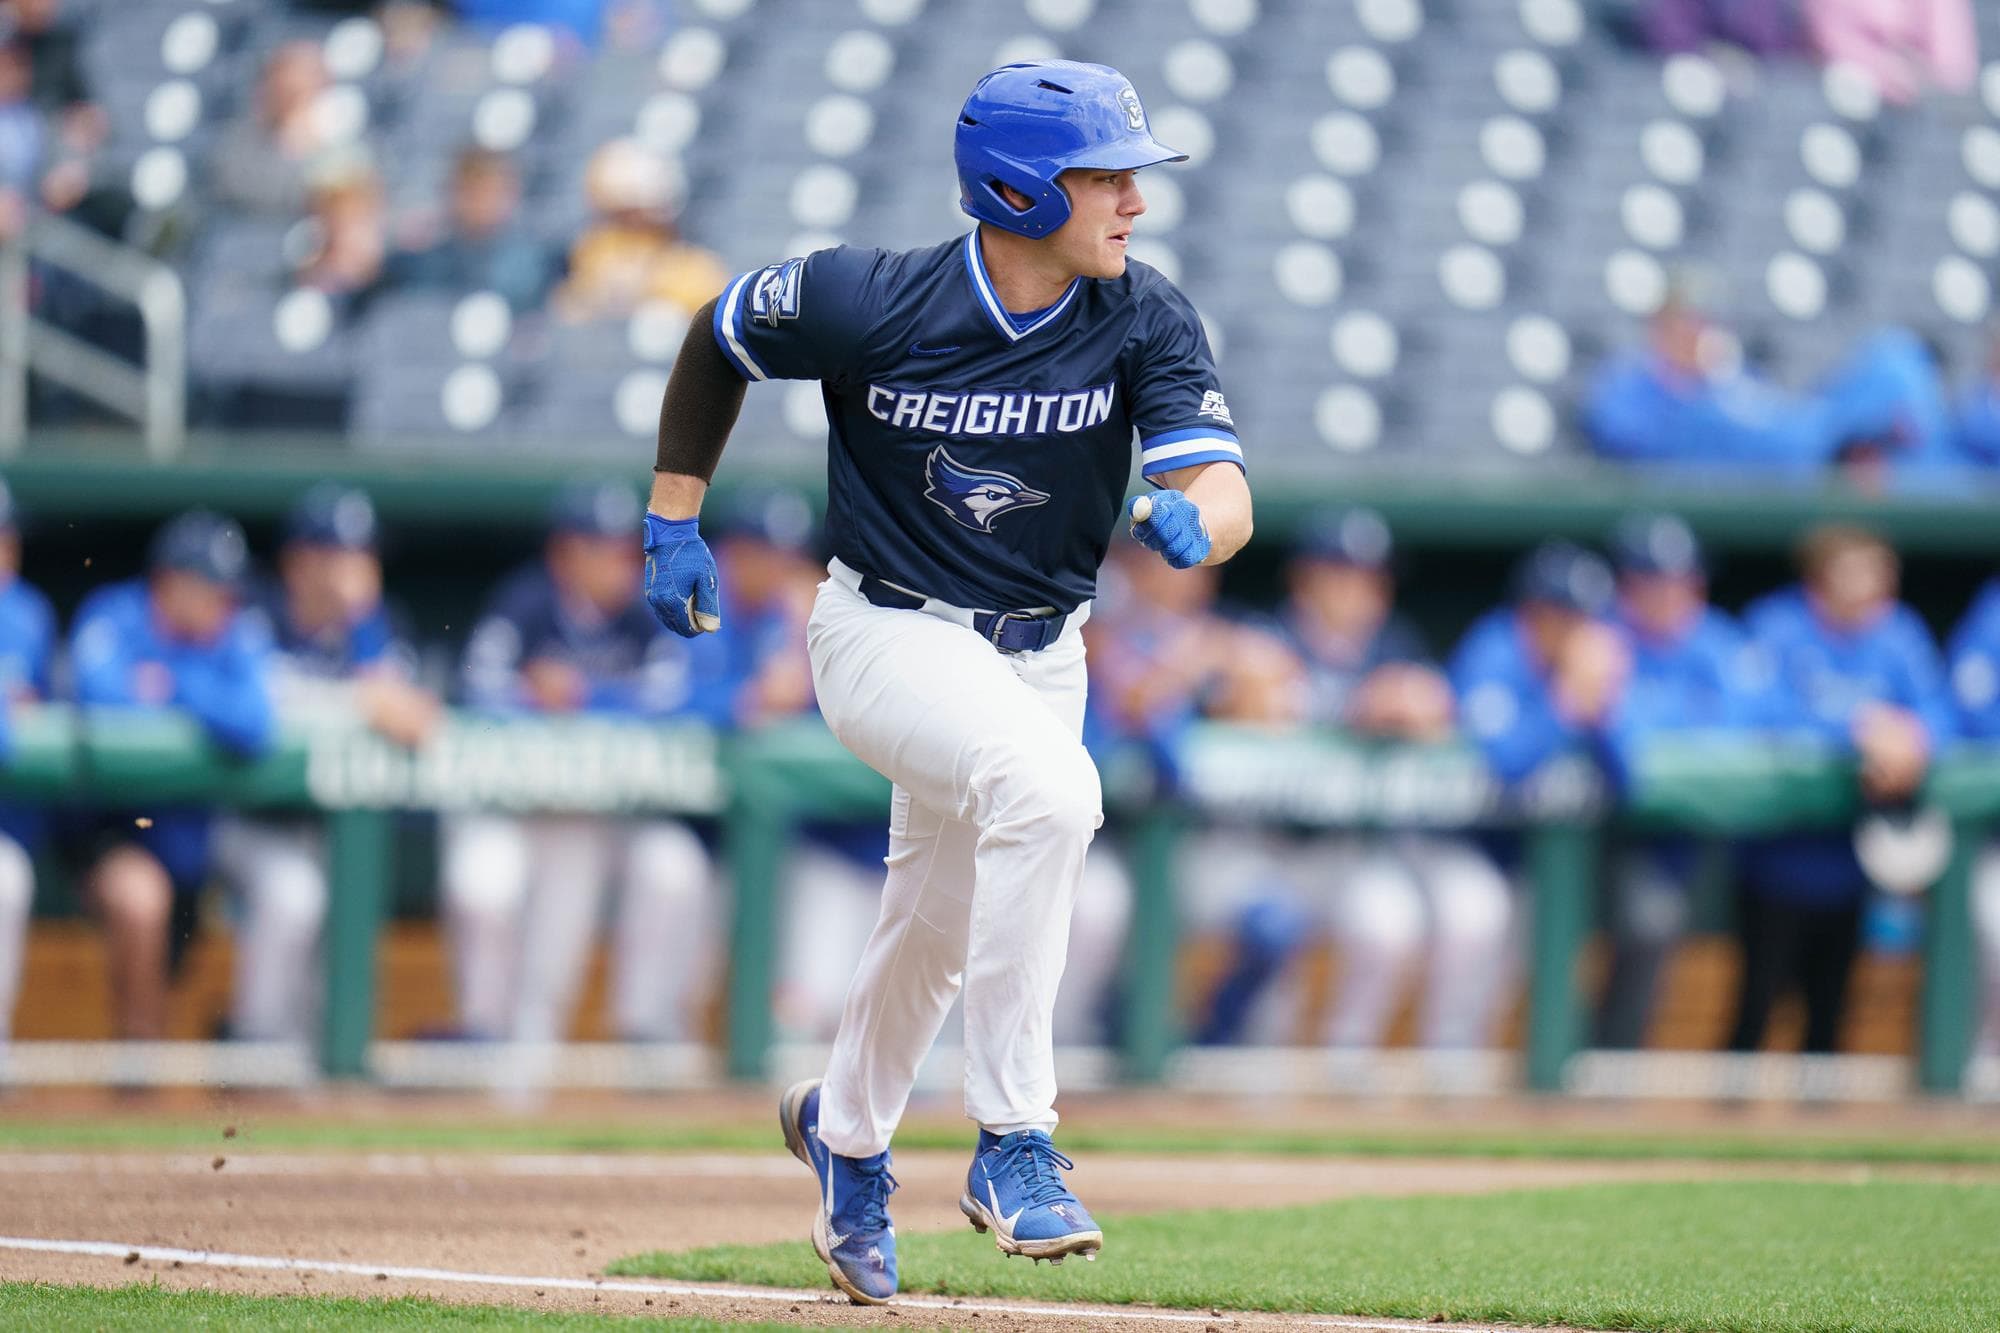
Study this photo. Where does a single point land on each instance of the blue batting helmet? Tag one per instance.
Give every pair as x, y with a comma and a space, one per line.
1026, 124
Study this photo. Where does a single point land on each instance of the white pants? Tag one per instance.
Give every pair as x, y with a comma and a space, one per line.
522, 899
1986, 935
17, 891
278, 871
995, 804
1393, 906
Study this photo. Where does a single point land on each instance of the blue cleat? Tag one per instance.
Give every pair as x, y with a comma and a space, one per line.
851, 1232
1014, 1190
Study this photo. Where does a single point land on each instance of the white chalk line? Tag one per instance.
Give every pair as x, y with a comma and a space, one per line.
105, 1249
719, 1165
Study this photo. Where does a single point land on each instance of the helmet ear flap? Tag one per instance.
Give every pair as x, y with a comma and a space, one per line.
1048, 205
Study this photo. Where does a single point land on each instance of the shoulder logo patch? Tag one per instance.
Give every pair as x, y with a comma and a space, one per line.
974, 497
775, 293
1212, 405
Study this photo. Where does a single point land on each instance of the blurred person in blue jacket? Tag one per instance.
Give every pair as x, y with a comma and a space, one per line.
569, 635
174, 641
339, 660
1975, 683
1978, 414
1688, 399
483, 247
1852, 666
1547, 674
1394, 905
27, 647
1693, 670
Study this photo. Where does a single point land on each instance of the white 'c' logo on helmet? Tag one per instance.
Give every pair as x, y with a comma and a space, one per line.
1135, 115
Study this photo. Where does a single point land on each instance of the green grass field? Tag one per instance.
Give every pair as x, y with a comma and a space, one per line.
57, 1309
551, 1136
1743, 1257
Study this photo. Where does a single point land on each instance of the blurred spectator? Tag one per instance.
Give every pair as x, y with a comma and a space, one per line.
27, 644
1395, 905
174, 641
570, 635
349, 243
266, 157
1764, 28
1692, 671
1975, 681
1856, 668
484, 249
338, 661
1687, 399
22, 140
1903, 46
633, 253
60, 88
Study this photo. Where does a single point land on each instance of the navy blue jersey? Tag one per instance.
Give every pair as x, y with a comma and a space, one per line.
632, 664
974, 455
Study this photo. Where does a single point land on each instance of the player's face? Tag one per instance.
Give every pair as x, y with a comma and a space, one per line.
1661, 605
1855, 587
1102, 208
10, 554
1549, 626
190, 607
330, 583
1349, 598
602, 570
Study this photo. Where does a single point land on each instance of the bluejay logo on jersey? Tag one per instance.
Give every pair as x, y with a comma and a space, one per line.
975, 496
775, 295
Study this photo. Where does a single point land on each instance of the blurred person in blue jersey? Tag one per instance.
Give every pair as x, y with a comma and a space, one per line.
1852, 666
27, 647
173, 641
1162, 658
1395, 905
1546, 674
832, 877
567, 636
339, 660
1688, 399
1978, 414
1693, 670
1975, 684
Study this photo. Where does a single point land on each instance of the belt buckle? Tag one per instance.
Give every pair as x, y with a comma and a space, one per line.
999, 624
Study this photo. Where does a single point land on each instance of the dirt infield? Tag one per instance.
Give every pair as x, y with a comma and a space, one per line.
535, 1229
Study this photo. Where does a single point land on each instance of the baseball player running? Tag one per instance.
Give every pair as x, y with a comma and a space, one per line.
981, 399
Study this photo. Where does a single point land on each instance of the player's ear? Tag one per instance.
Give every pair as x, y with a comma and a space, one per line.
1015, 200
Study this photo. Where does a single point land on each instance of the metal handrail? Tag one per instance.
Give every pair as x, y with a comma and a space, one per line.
153, 393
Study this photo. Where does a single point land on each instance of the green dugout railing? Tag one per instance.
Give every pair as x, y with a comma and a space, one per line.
762, 784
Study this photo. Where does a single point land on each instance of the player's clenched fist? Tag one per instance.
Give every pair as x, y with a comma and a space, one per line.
1169, 523
680, 577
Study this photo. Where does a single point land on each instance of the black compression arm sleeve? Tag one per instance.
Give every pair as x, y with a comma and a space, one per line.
703, 396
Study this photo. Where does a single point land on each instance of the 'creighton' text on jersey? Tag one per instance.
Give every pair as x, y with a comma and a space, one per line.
976, 455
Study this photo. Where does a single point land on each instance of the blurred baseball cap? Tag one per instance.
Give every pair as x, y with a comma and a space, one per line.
1655, 544
774, 515
203, 543
596, 509
1356, 536
334, 515
1561, 573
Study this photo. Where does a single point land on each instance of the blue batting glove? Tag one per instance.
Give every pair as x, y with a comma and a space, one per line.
680, 577
1169, 523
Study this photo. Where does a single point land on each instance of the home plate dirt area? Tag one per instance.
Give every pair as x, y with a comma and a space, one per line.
536, 1229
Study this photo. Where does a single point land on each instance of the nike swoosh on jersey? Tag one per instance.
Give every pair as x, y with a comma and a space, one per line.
918, 349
